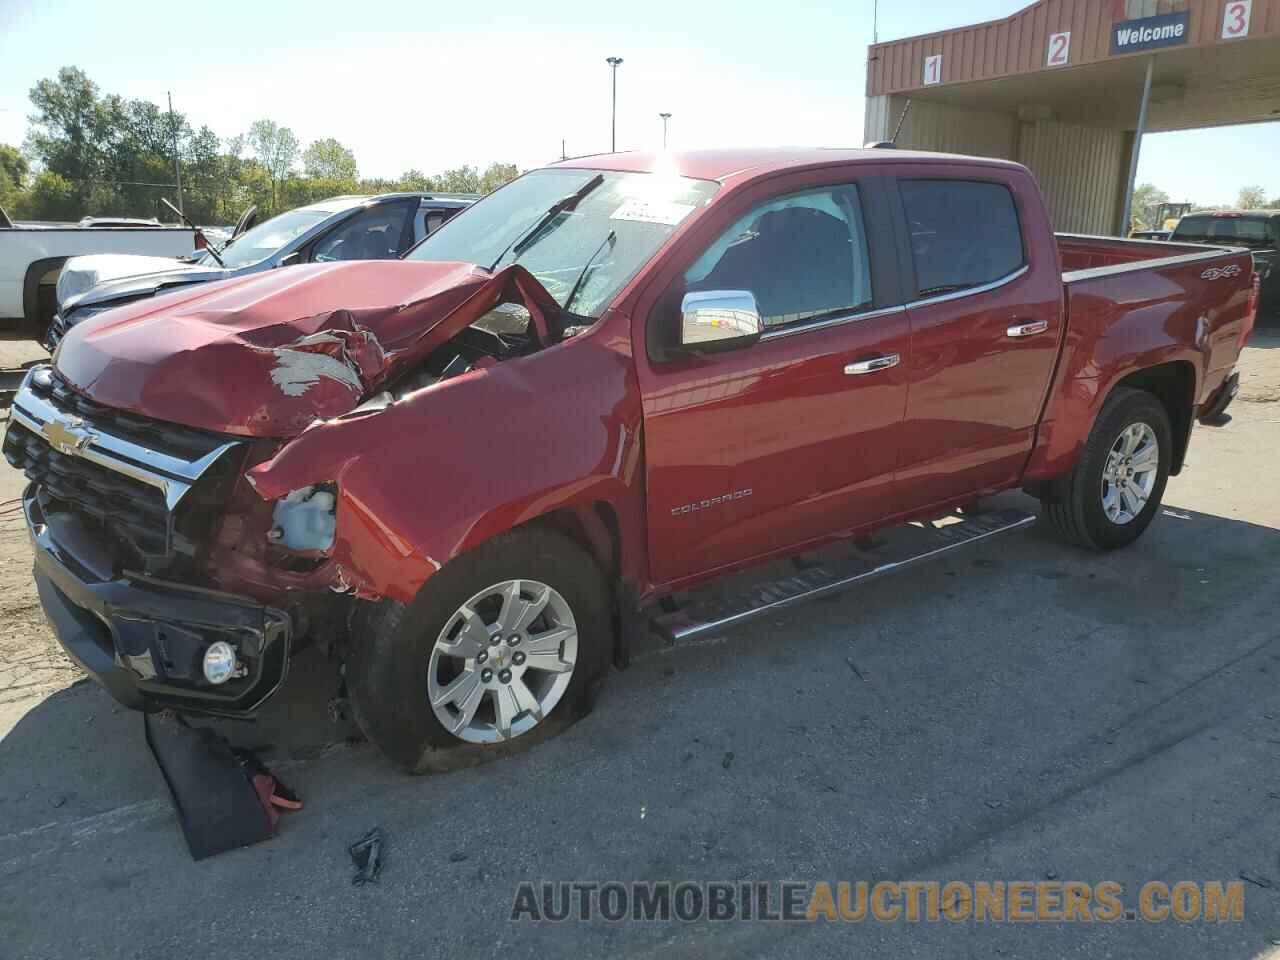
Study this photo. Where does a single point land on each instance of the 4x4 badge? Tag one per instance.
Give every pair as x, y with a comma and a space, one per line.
1217, 273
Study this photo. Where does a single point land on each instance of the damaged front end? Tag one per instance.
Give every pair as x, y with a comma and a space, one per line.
171, 565
120, 510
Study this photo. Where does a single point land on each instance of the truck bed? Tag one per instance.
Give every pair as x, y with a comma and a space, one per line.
1123, 295
1081, 253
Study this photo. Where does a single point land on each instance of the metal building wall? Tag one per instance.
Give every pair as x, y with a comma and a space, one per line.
1019, 43
1082, 173
1081, 169
942, 127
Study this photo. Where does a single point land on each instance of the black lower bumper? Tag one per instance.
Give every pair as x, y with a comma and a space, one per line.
144, 640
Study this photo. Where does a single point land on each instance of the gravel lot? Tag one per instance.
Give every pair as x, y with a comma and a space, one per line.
1024, 711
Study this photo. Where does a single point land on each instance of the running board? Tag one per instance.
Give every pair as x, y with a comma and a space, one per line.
711, 610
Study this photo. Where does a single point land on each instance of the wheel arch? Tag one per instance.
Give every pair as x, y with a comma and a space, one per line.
31, 283
594, 527
1174, 385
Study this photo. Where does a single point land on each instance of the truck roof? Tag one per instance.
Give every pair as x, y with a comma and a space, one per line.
722, 164
1228, 214
348, 200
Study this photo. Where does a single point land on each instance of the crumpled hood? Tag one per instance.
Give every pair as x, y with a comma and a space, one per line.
80, 275
268, 354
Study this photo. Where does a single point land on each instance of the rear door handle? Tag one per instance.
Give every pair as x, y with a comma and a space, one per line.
1027, 329
882, 362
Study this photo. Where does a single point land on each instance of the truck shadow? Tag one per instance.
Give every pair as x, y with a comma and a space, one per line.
75, 757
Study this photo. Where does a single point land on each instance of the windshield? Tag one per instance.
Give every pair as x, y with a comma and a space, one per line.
266, 238
595, 247
1247, 230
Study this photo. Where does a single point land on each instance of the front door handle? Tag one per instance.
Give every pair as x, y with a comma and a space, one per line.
1028, 329
882, 362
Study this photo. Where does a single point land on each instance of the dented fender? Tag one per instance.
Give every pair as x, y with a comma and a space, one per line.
447, 467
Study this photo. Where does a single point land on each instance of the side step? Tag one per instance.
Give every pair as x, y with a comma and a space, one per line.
719, 607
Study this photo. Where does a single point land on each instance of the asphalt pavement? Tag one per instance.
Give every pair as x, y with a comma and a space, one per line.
1020, 711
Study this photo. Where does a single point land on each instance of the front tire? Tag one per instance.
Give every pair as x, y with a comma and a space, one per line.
1113, 493
504, 643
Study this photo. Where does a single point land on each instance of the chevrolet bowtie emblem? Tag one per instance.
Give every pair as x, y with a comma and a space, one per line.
67, 435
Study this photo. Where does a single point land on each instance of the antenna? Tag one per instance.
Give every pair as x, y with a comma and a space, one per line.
902, 116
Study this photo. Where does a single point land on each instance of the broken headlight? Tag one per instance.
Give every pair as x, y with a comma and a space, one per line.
305, 519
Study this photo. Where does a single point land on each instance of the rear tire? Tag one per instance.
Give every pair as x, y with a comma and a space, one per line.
1108, 500
396, 666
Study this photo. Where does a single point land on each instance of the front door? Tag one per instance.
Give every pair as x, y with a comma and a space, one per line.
794, 438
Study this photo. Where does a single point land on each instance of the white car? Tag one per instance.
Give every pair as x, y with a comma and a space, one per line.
32, 256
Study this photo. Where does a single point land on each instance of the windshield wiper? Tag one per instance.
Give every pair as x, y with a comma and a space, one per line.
525, 240
608, 241
187, 220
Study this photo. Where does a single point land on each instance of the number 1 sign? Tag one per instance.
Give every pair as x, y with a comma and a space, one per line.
1059, 49
1235, 19
933, 69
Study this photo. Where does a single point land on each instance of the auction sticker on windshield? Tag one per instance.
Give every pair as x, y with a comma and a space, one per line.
652, 211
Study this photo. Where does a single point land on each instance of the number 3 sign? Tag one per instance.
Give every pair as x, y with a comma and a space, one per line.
1059, 49
1235, 19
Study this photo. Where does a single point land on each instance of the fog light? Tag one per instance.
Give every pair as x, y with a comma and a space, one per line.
219, 662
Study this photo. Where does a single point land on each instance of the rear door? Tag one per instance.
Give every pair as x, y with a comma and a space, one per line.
986, 320
755, 450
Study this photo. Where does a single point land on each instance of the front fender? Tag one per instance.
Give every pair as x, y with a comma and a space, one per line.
450, 466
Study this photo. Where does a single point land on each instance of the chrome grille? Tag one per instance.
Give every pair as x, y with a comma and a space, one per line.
57, 330
127, 473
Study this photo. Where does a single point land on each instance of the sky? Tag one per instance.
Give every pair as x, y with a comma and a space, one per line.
437, 84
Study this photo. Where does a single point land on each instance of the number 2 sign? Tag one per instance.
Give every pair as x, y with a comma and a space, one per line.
933, 69
1235, 19
1059, 49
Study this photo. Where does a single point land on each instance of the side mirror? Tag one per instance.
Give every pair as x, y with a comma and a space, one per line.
714, 320
291, 259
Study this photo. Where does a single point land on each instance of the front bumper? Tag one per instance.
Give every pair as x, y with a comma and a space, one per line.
144, 639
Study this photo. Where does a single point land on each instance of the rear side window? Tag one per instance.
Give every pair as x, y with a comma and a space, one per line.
963, 233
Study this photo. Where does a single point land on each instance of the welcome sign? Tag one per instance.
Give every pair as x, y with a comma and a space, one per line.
1166, 30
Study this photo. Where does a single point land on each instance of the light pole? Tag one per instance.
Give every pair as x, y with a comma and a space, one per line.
665, 117
614, 63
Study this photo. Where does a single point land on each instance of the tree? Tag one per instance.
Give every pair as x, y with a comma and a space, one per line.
51, 197
1146, 199
73, 130
13, 165
1251, 198
415, 179
329, 159
463, 179
276, 149
13, 176
89, 152
496, 174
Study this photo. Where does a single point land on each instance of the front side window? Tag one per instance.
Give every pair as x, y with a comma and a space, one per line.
802, 256
374, 234
963, 233
584, 254
266, 238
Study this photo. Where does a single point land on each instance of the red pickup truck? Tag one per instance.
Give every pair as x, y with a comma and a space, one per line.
472, 473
